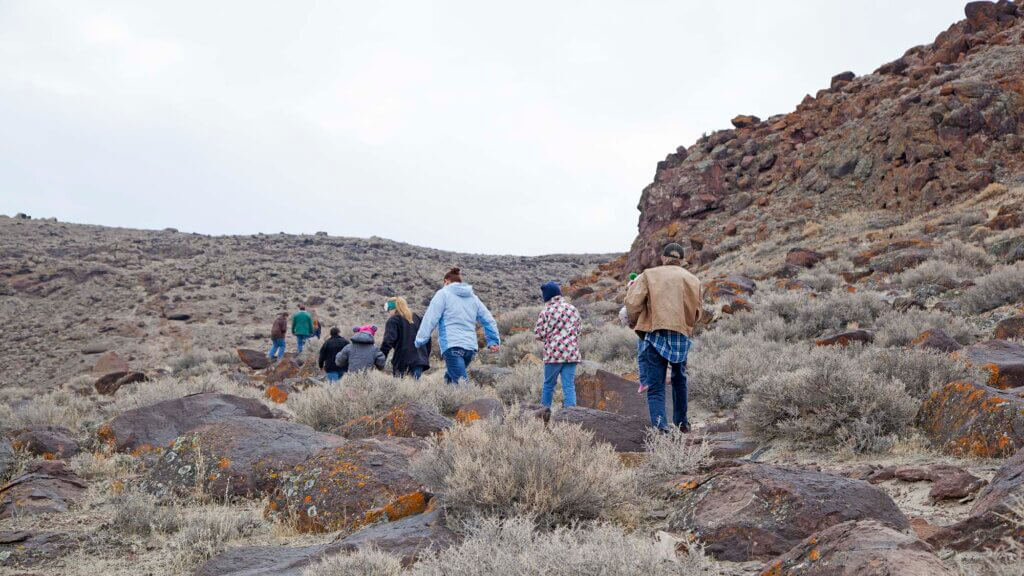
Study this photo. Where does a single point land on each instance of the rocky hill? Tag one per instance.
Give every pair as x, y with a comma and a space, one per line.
70, 292
933, 127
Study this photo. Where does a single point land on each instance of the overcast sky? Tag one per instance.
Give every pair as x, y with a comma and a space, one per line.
514, 127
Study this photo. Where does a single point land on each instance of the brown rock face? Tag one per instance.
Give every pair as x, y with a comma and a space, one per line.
803, 258
612, 393
406, 420
254, 359
989, 522
238, 456
479, 410
967, 419
353, 485
936, 339
46, 487
1004, 361
112, 382
47, 441
758, 511
865, 548
845, 338
937, 124
1012, 327
153, 427
626, 433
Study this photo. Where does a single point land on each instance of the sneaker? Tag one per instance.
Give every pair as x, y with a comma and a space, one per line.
684, 428
642, 389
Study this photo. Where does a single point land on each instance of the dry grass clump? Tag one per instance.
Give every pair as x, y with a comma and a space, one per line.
511, 547
938, 272
523, 385
819, 279
600, 310
193, 364
518, 346
672, 455
806, 318
831, 402
365, 562
373, 393
516, 320
207, 531
553, 475
721, 365
137, 513
104, 465
612, 345
920, 371
901, 328
56, 408
1004, 285
966, 255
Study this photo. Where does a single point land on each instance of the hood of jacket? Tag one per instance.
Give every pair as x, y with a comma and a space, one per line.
362, 338
461, 290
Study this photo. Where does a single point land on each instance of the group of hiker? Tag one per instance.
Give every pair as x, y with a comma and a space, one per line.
662, 305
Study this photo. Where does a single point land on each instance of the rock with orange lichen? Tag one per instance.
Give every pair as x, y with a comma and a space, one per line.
47, 441
405, 420
152, 427
479, 409
990, 522
610, 392
967, 419
752, 511
864, 548
1003, 359
236, 457
350, 486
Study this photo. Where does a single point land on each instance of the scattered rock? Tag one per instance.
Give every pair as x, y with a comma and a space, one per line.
745, 121
350, 486
845, 338
94, 348
254, 359
50, 442
626, 433
900, 260
46, 487
603, 390
406, 538
406, 420
152, 427
29, 548
480, 409
179, 315
936, 339
110, 383
803, 258
1011, 328
859, 548
745, 511
1004, 361
967, 419
239, 456
949, 482
724, 445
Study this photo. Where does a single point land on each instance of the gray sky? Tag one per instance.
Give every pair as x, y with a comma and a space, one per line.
515, 127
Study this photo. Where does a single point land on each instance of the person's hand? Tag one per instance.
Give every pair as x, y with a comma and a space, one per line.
494, 348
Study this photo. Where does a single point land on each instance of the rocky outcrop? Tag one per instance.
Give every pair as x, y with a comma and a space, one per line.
238, 457
967, 419
47, 441
942, 121
255, 359
112, 382
626, 433
350, 486
479, 409
405, 420
603, 390
150, 428
1007, 328
747, 511
865, 548
46, 487
1004, 361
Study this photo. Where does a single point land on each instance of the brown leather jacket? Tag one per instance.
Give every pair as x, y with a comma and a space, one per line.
280, 328
664, 298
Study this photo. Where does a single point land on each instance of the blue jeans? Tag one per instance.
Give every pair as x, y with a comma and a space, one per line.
653, 367
300, 341
277, 348
567, 371
456, 360
333, 376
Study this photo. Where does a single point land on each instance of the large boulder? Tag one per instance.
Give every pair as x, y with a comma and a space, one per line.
255, 359
46, 487
1003, 359
990, 521
350, 486
864, 548
405, 420
803, 258
153, 427
967, 419
47, 441
609, 392
238, 456
747, 511
1007, 328
624, 432
407, 538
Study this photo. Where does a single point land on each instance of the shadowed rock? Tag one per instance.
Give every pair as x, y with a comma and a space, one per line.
610, 392
28, 548
46, 487
47, 441
845, 338
936, 339
113, 381
255, 359
405, 420
625, 433
1004, 361
1009, 328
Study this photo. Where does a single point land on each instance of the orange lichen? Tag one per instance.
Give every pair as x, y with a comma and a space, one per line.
223, 463
466, 416
276, 395
814, 555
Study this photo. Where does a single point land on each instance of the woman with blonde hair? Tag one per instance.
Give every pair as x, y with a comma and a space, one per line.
400, 336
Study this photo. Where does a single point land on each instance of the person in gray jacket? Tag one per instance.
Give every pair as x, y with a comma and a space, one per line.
361, 353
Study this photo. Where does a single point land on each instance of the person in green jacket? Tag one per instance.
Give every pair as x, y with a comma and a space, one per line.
302, 327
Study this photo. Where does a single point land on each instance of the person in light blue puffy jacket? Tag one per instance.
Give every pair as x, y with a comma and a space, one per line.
455, 310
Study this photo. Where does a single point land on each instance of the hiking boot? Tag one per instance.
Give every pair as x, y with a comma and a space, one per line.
684, 428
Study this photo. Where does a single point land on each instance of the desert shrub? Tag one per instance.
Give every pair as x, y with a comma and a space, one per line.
610, 344
208, 531
819, 279
137, 513
721, 366
516, 347
224, 358
520, 319
671, 455
806, 317
365, 562
896, 328
1003, 285
920, 371
757, 322
969, 256
522, 385
601, 310
56, 408
830, 402
511, 547
552, 474
104, 466
192, 364
940, 272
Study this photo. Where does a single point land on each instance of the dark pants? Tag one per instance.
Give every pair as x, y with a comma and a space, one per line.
415, 372
653, 368
456, 361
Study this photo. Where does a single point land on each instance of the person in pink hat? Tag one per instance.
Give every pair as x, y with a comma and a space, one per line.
362, 352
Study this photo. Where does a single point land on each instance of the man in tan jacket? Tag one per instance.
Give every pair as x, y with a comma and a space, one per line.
664, 305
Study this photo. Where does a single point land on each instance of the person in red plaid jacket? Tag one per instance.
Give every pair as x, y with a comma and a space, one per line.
559, 326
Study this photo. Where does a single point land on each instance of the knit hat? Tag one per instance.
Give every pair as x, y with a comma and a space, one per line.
673, 250
369, 328
550, 290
